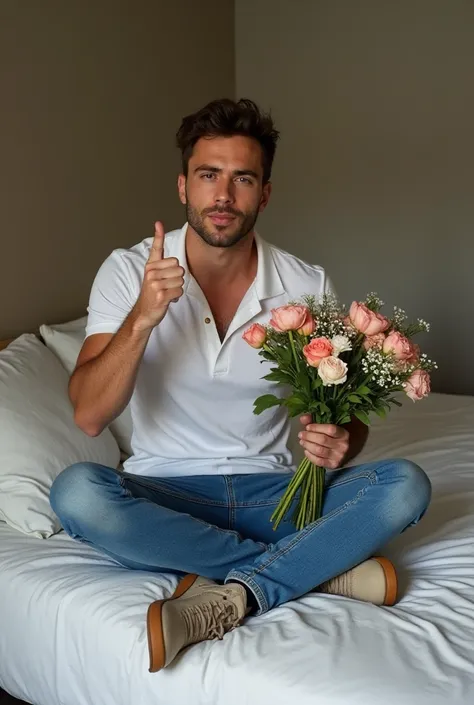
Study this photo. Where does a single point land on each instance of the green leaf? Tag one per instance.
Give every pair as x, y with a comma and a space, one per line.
284, 354
354, 398
296, 405
317, 382
345, 419
266, 402
362, 416
304, 381
277, 375
363, 390
315, 409
380, 411
324, 407
394, 401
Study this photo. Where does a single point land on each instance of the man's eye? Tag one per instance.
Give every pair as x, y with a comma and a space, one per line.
207, 176
245, 179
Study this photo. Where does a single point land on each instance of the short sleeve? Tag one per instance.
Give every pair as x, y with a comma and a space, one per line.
112, 296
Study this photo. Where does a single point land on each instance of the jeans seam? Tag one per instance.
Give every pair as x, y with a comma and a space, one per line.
309, 529
347, 480
258, 503
172, 493
231, 499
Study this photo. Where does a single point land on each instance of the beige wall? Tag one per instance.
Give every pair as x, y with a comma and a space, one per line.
92, 92
374, 176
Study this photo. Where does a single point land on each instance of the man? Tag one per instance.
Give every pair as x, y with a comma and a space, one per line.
164, 331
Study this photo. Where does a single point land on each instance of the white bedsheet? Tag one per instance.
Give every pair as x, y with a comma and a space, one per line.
72, 622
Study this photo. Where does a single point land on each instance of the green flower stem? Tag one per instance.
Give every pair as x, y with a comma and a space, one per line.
315, 495
300, 510
310, 479
311, 503
292, 343
307, 490
288, 496
304, 499
321, 473
290, 492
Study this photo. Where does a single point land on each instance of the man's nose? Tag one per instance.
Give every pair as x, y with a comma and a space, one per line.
224, 192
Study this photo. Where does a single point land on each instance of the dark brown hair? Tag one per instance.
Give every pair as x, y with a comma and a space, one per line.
225, 118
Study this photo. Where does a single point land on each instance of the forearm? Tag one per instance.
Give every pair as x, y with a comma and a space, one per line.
358, 434
101, 388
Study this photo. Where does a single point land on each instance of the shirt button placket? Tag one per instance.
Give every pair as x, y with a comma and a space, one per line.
213, 344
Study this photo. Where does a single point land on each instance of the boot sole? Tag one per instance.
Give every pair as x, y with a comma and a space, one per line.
391, 582
156, 642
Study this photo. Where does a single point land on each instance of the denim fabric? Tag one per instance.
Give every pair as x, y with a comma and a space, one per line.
219, 525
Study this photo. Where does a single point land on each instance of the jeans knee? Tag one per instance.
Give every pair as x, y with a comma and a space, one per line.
75, 491
414, 489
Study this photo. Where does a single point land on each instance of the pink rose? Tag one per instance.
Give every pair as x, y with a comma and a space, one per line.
418, 385
374, 341
255, 336
288, 317
308, 326
347, 321
316, 350
414, 358
367, 321
399, 345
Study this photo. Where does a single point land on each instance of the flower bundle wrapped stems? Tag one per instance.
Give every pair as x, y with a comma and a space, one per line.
309, 480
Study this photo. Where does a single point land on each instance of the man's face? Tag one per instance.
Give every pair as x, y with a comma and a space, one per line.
223, 191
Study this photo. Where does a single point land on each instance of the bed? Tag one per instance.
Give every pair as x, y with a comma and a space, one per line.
72, 622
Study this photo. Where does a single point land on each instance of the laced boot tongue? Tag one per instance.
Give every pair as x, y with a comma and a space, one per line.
209, 620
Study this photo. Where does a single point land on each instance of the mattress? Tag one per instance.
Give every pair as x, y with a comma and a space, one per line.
72, 622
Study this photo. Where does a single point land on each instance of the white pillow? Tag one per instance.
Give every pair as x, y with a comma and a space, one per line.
38, 436
65, 340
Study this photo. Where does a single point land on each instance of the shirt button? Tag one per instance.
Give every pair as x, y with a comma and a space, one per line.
207, 319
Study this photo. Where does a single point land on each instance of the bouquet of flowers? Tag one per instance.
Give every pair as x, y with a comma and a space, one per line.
336, 364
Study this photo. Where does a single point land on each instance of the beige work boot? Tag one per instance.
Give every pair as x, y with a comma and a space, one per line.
373, 581
199, 609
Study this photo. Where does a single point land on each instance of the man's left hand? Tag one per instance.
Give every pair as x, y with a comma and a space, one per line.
325, 445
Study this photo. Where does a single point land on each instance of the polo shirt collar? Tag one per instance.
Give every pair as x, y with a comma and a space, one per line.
267, 283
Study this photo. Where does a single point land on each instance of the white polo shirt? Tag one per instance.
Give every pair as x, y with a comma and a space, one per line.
192, 406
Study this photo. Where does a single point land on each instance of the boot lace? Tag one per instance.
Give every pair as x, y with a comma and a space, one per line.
210, 620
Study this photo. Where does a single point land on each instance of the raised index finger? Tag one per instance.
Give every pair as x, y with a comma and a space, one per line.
156, 252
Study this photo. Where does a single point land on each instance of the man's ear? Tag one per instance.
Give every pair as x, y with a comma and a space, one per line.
182, 188
266, 193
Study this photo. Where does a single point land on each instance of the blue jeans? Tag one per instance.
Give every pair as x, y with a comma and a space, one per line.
219, 526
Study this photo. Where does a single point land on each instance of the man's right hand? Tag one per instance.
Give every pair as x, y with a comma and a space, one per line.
163, 283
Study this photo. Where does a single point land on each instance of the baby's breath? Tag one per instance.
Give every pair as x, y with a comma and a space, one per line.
398, 318
373, 302
383, 369
426, 363
329, 317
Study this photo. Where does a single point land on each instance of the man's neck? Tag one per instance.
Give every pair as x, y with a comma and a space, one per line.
216, 267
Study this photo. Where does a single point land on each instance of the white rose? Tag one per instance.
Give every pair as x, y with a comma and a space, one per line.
332, 370
340, 344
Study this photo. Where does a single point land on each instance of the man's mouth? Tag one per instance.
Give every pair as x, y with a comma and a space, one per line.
221, 218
